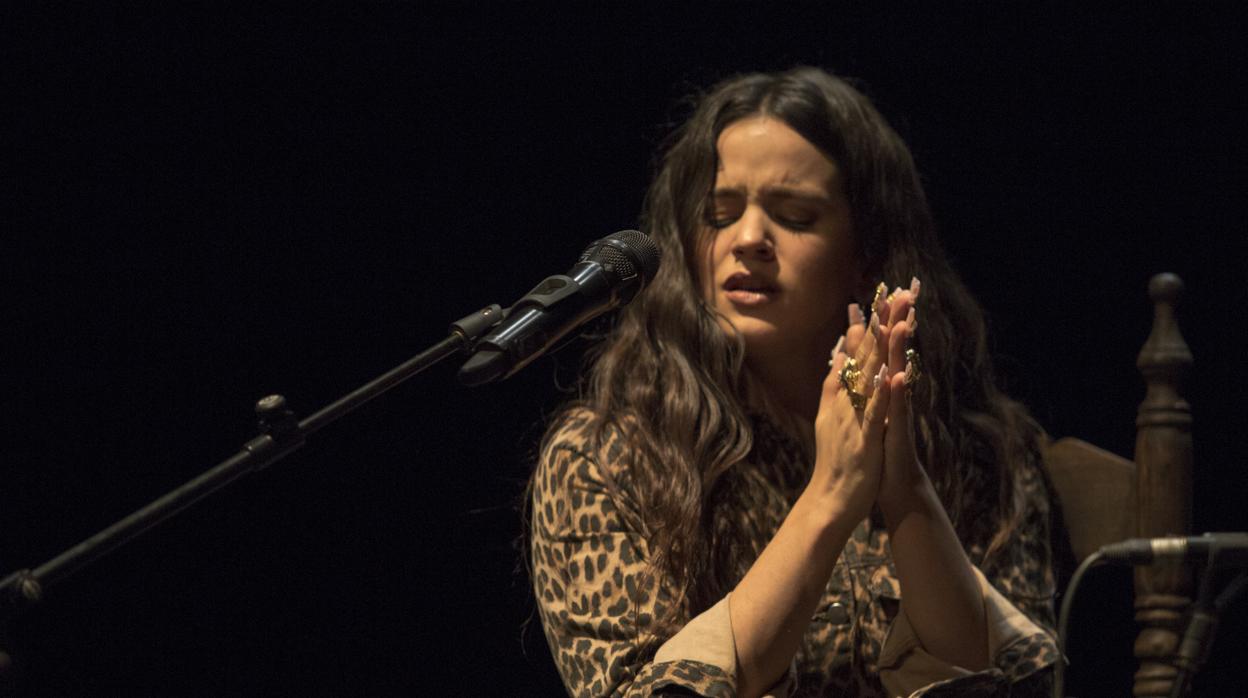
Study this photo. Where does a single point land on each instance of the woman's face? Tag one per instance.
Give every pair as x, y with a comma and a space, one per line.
780, 259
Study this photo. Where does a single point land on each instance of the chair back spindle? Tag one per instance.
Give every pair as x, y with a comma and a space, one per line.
1163, 458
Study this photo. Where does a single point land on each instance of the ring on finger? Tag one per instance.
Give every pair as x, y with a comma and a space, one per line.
914, 368
851, 374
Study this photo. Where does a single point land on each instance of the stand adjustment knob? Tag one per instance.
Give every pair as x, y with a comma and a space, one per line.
275, 417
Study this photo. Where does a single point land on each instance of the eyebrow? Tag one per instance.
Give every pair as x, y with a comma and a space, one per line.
779, 190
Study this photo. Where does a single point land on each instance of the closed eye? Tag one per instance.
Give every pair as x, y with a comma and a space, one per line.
722, 210
790, 215
795, 223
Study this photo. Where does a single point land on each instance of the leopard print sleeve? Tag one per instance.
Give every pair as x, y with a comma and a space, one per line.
589, 577
1023, 573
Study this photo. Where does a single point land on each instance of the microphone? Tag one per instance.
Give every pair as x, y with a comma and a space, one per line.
1231, 548
609, 274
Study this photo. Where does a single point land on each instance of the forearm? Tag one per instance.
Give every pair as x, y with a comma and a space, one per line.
771, 607
939, 590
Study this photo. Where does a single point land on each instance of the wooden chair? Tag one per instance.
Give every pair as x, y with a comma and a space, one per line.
1106, 498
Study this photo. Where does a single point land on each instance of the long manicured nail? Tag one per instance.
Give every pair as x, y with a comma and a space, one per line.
855, 314
910, 319
874, 327
839, 343
880, 377
914, 286
880, 292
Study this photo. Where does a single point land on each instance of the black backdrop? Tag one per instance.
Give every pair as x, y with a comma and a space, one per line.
207, 203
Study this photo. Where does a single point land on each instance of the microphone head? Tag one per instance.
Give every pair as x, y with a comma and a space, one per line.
625, 254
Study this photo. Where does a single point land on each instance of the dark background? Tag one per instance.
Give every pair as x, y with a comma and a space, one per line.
203, 204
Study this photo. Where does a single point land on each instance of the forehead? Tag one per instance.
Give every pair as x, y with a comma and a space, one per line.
762, 151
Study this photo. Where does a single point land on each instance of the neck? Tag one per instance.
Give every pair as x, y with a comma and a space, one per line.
793, 383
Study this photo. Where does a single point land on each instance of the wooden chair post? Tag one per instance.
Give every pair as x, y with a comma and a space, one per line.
1163, 457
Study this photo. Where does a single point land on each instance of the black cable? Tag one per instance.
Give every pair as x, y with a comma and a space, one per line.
1063, 620
1202, 621
1198, 639
1235, 588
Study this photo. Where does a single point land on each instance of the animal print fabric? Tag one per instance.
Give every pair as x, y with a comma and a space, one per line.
589, 564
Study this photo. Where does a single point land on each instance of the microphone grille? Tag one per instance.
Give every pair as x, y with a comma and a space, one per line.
628, 252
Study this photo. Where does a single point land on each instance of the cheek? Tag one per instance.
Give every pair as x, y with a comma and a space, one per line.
705, 262
830, 273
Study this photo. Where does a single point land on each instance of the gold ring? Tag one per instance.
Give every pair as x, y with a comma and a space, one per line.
850, 377
857, 399
914, 367
850, 373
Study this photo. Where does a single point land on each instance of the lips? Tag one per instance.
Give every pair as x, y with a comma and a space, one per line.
747, 289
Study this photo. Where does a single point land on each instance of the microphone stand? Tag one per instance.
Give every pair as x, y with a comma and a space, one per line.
280, 436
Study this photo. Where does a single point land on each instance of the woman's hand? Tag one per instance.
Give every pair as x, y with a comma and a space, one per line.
941, 595
880, 345
903, 472
770, 608
849, 444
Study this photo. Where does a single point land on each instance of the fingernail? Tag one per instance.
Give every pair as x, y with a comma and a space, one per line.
855, 314
874, 327
914, 286
910, 319
880, 292
880, 377
839, 343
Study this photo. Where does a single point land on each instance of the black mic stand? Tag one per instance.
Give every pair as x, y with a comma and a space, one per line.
280, 436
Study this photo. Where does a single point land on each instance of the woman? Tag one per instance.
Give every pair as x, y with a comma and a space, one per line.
721, 513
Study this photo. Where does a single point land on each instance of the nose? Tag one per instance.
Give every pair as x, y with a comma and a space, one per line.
753, 239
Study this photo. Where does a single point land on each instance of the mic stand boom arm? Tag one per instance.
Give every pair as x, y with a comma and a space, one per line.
281, 435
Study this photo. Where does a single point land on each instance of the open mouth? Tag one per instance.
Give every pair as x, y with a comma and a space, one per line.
745, 289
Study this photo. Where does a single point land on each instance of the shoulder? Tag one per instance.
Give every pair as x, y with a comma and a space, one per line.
584, 467
583, 435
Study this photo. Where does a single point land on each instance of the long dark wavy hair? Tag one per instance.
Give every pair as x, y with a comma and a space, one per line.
675, 385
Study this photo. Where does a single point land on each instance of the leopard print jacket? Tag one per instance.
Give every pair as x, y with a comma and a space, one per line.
589, 556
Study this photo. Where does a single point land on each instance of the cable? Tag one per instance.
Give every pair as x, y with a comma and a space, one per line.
1063, 620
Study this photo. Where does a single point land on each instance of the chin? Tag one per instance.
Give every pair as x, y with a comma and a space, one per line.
759, 335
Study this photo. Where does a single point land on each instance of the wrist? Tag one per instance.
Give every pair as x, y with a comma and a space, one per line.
906, 492
831, 505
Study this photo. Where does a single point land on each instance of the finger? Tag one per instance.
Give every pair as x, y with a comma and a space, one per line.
899, 307
867, 337
902, 303
877, 411
899, 341
877, 358
837, 362
838, 348
834, 403
856, 331
899, 436
832, 382
880, 303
